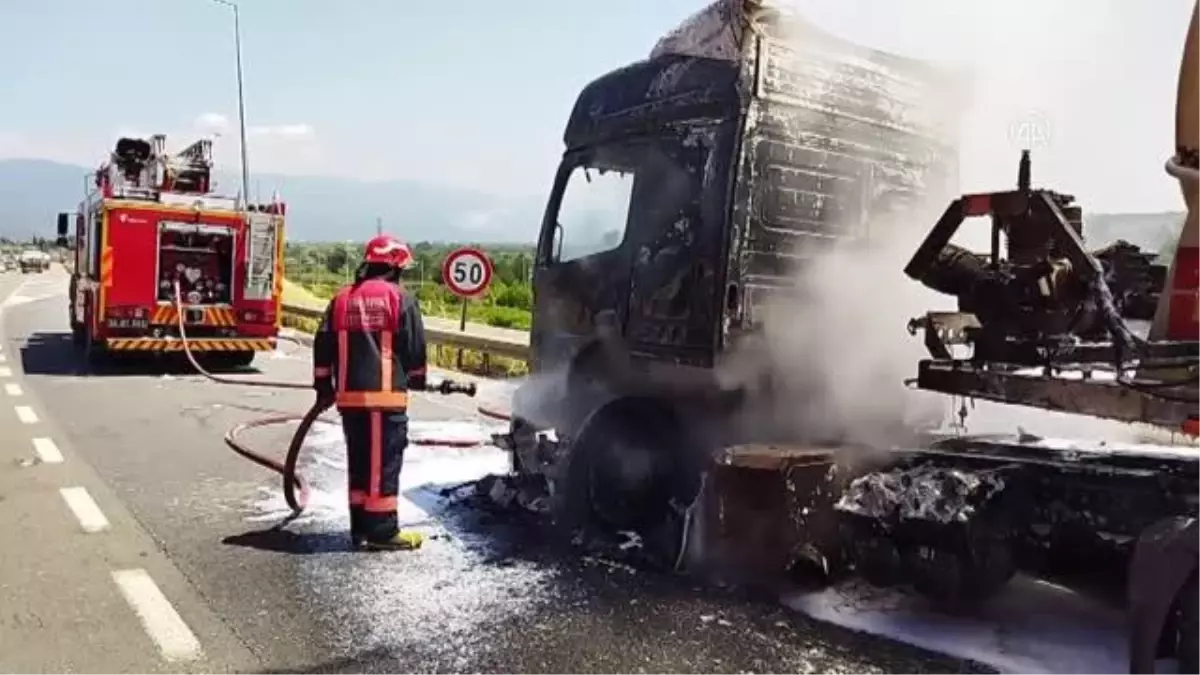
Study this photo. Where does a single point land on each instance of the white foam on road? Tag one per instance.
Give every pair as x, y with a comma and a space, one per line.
26, 414
87, 512
437, 601
47, 450
1030, 627
427, 468
175, 641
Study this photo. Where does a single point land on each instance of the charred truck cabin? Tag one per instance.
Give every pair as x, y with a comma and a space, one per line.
693, 185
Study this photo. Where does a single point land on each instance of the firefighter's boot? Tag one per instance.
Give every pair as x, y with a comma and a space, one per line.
401, 541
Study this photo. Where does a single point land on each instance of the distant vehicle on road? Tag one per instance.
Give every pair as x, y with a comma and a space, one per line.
32, 260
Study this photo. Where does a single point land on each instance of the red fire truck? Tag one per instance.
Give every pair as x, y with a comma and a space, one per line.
149, 221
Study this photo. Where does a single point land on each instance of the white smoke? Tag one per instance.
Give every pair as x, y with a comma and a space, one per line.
837, 351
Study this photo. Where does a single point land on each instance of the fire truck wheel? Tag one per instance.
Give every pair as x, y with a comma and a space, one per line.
78, 337
93, 351
228, 360
241, 359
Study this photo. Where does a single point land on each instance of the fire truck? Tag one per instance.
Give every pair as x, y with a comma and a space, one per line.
150, 221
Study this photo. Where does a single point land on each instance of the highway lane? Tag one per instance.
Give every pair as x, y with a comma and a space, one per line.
83, 588
483, 594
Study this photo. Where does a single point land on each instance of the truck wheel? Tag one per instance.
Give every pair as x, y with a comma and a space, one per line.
93, 351
632, 467
240, 359
78, 335
1187, 646
962, 581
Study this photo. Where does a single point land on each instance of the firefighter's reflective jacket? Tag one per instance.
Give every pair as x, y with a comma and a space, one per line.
370, 348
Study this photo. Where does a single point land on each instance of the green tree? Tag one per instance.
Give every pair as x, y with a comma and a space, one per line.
336, 260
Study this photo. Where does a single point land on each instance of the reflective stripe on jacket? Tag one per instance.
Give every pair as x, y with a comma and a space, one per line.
370, 348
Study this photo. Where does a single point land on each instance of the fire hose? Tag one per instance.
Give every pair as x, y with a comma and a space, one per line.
295, 490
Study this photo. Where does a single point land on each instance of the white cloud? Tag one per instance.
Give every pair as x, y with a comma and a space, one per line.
279, 148
284, 131
478, 220
9, 143
212, 123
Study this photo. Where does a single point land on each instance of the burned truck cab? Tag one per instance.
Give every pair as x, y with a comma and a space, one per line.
692, 185
631, 257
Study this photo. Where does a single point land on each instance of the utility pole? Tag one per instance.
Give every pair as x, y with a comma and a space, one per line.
378, 226
237, 43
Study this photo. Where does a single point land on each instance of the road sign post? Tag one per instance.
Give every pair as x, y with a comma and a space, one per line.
467, 272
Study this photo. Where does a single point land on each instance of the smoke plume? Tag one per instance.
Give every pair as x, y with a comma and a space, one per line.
831, 361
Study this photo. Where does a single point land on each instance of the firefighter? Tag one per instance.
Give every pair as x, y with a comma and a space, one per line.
369, 352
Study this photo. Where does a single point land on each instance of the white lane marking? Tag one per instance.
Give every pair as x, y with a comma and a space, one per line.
12, 389
3, 358
5, 371
26, 414
86, 511
164, 625
47, 450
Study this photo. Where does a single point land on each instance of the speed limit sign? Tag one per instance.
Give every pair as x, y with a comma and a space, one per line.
467, 272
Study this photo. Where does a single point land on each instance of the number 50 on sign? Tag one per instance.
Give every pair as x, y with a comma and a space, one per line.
467, 272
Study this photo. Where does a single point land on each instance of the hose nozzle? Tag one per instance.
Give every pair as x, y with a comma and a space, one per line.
447, 387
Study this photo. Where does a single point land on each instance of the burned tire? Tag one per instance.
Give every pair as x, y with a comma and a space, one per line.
944, 531
633, 468
962, 580
1187, 627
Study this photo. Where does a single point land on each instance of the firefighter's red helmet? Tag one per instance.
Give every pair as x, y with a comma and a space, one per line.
388, 250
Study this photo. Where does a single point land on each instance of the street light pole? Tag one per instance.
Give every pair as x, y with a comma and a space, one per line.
237, 42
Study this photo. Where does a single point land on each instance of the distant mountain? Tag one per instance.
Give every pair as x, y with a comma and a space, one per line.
33, 191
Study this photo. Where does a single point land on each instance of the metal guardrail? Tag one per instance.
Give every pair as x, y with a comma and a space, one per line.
495, 345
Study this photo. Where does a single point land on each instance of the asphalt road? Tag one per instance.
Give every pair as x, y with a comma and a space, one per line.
484, 594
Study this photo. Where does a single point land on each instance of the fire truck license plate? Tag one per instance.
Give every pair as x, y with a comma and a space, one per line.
128, 323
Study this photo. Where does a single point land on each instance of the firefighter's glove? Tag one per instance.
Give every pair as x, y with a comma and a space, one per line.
417, 381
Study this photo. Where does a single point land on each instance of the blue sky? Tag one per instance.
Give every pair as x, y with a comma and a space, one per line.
474, 93
458, 91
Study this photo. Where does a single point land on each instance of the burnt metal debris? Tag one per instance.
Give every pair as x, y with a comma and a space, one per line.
1045, 325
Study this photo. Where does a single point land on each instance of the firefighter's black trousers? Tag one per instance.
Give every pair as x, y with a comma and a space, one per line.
375, 443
